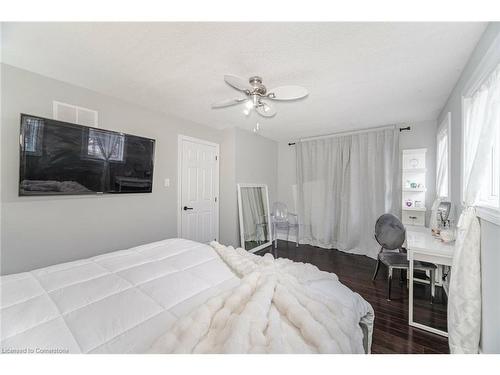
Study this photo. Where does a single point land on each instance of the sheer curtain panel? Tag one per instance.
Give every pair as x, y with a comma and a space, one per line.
464, 304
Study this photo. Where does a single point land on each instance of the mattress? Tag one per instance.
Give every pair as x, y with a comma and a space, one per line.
119, 302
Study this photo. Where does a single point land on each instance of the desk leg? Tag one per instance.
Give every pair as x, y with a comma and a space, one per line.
410, 303
410, 297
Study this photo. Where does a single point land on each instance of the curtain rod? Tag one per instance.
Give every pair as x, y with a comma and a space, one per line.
347, 133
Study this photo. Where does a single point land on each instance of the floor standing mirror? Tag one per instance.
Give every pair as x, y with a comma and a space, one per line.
255, 223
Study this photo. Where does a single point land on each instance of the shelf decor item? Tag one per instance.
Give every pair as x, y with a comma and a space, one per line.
414, 163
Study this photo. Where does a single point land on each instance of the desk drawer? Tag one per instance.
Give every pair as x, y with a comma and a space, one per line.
413, 217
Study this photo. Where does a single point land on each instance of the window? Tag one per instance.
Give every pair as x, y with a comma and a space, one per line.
443, 158
481, 143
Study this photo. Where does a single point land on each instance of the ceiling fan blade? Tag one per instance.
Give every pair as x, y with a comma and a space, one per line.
237, 82
288, 93
265, 109
229, 102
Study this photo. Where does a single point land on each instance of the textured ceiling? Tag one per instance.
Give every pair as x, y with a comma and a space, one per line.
358, 74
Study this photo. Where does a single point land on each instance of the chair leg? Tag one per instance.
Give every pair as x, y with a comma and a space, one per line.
389, 283
287, 235
275, 237
297, 239
376, 269
432, 282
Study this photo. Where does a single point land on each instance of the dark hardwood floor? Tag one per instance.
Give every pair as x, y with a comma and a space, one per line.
391, 334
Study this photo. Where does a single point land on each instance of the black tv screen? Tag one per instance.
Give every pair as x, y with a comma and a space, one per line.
63, 158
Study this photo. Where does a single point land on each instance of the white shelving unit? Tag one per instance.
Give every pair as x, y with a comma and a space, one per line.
414, 186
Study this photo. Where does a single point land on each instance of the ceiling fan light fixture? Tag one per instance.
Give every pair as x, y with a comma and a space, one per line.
248, 108
255, 91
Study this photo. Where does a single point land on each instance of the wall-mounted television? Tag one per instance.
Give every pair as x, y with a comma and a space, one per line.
60, 158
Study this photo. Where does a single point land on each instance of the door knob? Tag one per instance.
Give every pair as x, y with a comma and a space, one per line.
187, 208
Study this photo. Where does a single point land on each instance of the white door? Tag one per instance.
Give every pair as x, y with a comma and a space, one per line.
199, 189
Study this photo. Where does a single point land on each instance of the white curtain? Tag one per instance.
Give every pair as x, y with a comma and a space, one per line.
253, 212
344, 183
464, 304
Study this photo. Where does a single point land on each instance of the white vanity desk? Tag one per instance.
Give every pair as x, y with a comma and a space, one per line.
423, 246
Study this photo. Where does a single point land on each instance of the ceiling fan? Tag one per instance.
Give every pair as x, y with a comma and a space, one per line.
255, 93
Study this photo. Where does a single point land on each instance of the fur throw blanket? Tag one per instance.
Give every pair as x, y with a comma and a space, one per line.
278, 307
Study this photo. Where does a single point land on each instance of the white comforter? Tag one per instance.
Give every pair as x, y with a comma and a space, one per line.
278, 307
119, 302
123, 301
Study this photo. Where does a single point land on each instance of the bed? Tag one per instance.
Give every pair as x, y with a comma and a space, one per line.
136, 300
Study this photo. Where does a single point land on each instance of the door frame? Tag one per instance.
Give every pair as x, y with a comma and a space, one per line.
181, 138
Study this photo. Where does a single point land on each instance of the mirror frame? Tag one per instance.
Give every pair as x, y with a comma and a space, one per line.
240, 215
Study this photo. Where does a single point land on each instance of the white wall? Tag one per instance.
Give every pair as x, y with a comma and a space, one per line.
422, 135
228, 206
1, 94
490, 266
254, 160
485, 55
257, 160
39, 231
287, 175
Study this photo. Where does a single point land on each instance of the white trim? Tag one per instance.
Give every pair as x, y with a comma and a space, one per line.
462, 148
445, 123
198, 140
346, 132
491, 215
240, 217
429, 329
181, 138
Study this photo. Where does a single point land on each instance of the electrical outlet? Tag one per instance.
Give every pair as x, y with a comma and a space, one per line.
166, 182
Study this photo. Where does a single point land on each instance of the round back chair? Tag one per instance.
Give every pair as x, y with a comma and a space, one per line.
390, 233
